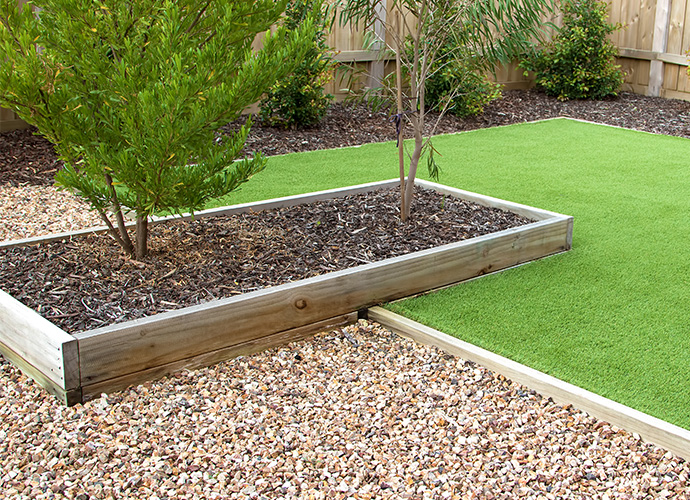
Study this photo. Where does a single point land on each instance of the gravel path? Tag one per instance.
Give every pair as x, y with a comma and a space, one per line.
28, 211
356, 413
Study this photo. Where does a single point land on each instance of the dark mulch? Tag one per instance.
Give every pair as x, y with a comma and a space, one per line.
85, 284
26, 158
351, 125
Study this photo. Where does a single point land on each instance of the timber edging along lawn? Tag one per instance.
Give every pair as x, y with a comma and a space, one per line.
80, 367
651, 429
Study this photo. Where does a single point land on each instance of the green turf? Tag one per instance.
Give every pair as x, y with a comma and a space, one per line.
610, 316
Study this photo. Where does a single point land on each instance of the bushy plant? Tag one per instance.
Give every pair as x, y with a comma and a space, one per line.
299, 100
133, 93
580, 61
455, 86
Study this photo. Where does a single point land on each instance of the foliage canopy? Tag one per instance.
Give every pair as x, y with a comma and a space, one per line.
430, 36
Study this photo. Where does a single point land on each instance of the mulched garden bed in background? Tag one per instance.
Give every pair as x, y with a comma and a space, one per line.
355, 412
87, 282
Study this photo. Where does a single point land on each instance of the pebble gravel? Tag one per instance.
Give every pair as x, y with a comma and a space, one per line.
27, 211
357, 413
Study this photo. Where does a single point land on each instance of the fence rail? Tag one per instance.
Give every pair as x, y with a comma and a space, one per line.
652, 45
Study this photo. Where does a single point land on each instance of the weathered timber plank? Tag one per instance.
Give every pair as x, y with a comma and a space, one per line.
50, 352
632, 53
652, 429
677, 59
213, 357
138, 345
67, 397
659, 44
360, 56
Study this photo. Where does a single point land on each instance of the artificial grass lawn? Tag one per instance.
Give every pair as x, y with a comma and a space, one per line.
610, 316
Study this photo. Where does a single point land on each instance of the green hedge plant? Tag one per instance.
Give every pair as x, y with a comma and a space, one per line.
579, 63
132, 95
299, 100
454, 85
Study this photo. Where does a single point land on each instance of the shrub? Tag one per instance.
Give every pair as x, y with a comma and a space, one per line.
580, 61
133, 93
299, 99
463, 91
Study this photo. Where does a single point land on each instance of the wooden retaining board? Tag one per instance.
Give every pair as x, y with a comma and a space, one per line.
40, 349
652, 429
113, 357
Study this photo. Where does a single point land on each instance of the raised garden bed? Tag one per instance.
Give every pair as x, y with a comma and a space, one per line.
78, 367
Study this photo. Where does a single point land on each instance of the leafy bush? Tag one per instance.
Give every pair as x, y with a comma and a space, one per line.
299, 99
463, 90
580, 61
133, 93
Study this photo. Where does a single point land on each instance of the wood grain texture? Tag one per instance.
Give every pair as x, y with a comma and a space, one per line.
659, 43
676, 22
652, 429
121, 354
49, 353
68, 397
210, 358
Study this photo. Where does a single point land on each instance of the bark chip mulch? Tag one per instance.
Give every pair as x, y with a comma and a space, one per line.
87, 282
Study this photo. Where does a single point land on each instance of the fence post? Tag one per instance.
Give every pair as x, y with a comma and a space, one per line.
659, 43
376, 67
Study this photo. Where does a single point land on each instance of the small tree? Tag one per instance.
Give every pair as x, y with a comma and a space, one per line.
299, 100
580, 62
132, 93
473, 33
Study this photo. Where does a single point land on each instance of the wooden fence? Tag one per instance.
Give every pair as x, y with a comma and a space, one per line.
652, 45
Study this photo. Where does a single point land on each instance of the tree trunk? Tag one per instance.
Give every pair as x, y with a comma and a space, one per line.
414, 163
124, 239
112, 230
417, 113
142, 236
400, 120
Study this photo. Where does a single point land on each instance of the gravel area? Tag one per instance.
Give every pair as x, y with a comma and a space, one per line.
28, 211
355, 413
